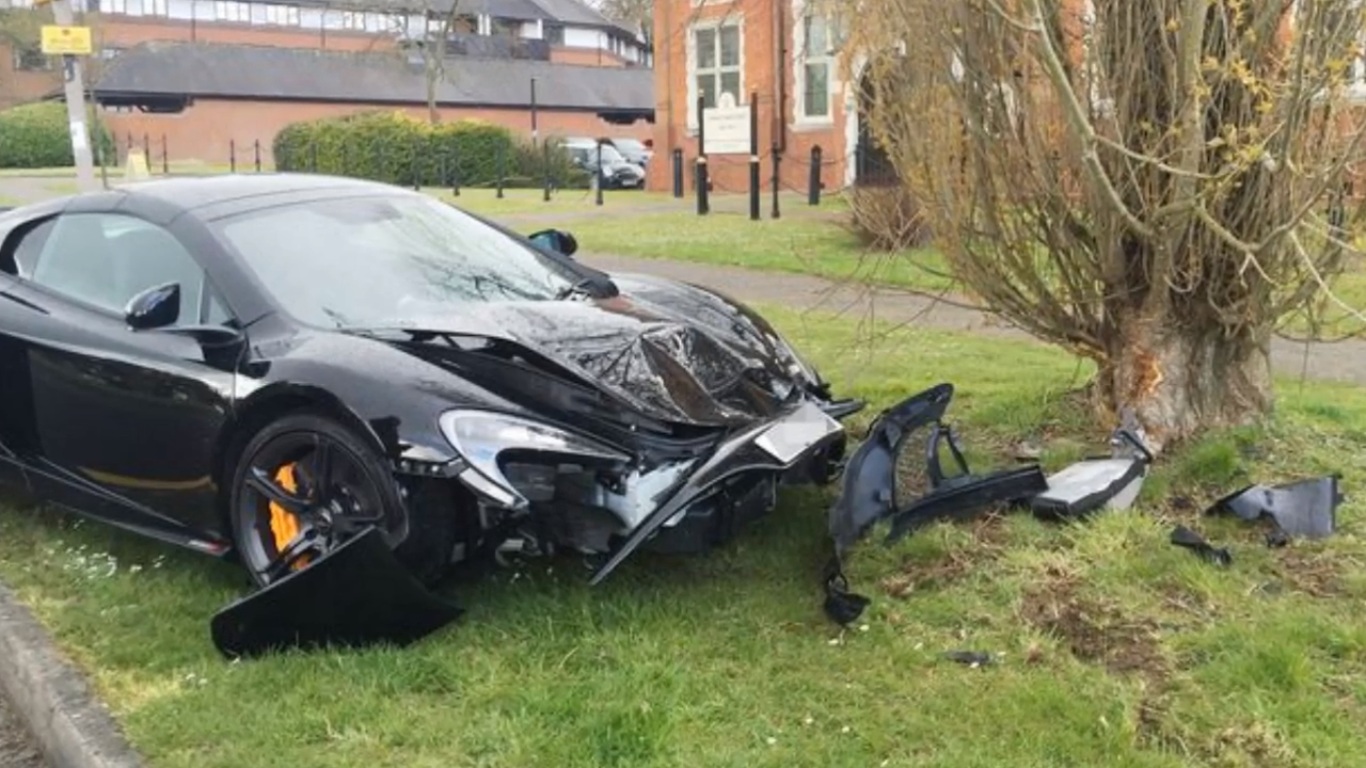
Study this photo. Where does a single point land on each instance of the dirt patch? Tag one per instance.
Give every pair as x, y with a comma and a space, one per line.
1100, 633
989, 537
1095, 632
1317, 574
1183, 601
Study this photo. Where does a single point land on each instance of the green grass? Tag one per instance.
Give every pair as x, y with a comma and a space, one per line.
815, 242
802, 242
244, 165
639, 205
1118, 648
532, 201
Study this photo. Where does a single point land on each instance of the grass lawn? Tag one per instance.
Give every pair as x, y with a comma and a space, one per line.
800, 242
526, 201
196, 167
616, 203
1119, 649
815, 242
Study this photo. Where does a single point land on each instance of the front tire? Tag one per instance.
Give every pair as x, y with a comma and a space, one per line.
303, 486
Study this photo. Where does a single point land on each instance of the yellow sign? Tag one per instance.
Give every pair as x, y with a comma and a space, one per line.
136, 167
58, 41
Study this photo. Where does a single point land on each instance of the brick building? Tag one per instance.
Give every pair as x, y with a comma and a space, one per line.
780, 51
206, 99
788, 54
565, 44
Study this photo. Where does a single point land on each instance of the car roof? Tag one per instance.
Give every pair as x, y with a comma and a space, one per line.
193, 192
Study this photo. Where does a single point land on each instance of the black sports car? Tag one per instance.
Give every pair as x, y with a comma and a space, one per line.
271, 365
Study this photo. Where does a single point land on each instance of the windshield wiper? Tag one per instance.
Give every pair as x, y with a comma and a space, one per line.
580, 288
592, 287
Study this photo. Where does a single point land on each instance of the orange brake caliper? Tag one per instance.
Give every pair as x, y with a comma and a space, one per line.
284, 525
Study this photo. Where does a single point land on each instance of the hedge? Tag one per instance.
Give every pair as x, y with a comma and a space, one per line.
37, 136
396, 148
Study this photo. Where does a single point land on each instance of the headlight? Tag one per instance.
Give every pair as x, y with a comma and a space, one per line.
481, 436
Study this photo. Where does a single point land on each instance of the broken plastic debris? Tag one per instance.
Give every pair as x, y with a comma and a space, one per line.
1111, 482
970, 658
356, 595
1185, 537
1307, 508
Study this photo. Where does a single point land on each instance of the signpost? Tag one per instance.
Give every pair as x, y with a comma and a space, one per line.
726, 127
66, 41
69, 41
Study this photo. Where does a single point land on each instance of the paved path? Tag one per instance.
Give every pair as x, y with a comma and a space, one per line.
16, 748
1342, 361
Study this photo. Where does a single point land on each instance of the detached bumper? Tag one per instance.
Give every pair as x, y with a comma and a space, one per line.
738, 482
354, 596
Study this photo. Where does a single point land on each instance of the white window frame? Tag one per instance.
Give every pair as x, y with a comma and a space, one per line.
155, 7
801, 117
232, 11
353, 20
282, 15
736, 20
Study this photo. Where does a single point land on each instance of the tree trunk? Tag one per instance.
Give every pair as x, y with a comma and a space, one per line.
433, 115
1178, 382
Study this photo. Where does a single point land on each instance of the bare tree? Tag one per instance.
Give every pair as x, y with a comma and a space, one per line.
631, 13
438, 20
1153, 185
20, 32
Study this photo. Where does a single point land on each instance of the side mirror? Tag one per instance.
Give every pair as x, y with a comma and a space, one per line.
557, 241
156, 307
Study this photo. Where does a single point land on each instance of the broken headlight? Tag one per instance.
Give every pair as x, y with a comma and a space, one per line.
483, 438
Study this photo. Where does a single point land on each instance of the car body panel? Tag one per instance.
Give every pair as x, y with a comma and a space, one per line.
138, 427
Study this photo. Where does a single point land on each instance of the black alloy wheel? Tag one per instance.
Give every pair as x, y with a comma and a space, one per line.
303, 487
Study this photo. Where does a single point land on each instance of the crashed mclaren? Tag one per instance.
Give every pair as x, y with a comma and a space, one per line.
349, 388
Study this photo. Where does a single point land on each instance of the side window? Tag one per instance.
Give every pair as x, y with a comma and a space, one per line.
106, 259
25, 253
216, 313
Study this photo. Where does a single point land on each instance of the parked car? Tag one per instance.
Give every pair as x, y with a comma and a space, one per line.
616, 172
634, 150
270, 367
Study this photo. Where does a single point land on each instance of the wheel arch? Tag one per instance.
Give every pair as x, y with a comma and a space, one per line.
271, 404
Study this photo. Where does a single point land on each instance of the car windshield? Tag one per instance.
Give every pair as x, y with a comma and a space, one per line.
610, 155
630, 145
383, 260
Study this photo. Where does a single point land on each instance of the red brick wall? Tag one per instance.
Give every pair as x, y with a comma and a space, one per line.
776, 120
18, 86
589, 57
206, 129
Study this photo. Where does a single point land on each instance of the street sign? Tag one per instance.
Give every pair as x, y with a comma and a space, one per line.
726, 128
72, 42
60, 40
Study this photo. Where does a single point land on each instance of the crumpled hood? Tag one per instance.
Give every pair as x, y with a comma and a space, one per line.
671, 351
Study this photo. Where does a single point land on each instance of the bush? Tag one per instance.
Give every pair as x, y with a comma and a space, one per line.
395, 148
887, 217
37, 136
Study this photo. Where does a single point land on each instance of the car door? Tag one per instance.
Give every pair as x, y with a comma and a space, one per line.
13, 390
123, 423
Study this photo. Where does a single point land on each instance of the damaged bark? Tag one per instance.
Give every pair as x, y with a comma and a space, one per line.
1178, 382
